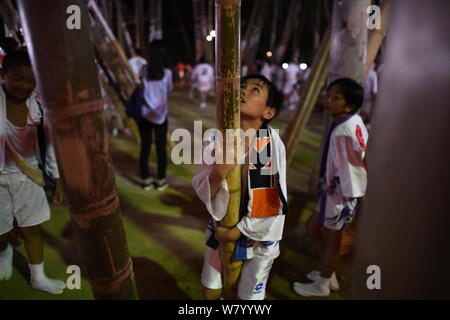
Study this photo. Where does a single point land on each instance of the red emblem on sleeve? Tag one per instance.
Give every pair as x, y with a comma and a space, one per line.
360, 138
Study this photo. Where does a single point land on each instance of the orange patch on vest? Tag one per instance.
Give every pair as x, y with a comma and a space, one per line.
266, 203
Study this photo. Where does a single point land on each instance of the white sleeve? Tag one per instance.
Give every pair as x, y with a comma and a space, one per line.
348, 160
217, 206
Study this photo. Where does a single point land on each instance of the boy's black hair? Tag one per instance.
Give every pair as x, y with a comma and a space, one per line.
352, 91
15, 58
274, 97
156, 60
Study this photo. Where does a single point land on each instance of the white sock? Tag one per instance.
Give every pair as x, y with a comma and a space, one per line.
6, 260
40, 281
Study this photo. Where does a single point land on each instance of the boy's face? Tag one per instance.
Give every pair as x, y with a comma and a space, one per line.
254, 94
335, 103
19, 82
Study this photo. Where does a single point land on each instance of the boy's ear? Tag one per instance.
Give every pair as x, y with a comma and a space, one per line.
349, 108
269, 113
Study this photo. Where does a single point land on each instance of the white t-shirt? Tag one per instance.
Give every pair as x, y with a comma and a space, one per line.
156, 95
203, 76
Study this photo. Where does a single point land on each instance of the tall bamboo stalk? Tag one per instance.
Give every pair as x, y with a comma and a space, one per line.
228, 18
71, 96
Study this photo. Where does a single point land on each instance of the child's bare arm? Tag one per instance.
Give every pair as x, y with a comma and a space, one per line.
224, 235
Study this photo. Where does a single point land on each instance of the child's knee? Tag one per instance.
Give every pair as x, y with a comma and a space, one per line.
212, 294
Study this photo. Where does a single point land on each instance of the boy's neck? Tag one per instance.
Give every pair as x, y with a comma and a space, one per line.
251, 124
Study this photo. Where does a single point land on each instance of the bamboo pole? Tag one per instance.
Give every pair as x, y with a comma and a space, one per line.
107, 42
404, 227
228, 16
310, 92
71, 96
376, 37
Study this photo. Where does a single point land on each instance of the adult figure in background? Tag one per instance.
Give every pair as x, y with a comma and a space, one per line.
157, 83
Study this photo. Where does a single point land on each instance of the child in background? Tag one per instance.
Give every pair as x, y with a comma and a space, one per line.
157, 83
20, 196
343, 180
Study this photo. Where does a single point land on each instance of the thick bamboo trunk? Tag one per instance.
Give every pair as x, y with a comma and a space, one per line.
376, 37
74, 108
310, 92
228, 21
404, 227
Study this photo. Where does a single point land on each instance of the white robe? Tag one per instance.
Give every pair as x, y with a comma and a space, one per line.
258, 229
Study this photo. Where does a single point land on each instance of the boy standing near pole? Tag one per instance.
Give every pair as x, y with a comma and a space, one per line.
263, 198
21, 194
343, 180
